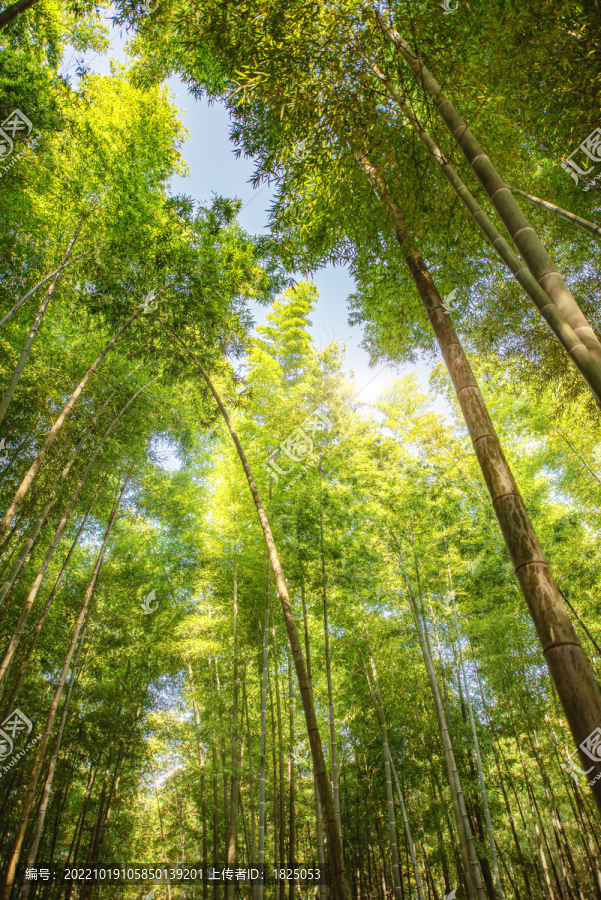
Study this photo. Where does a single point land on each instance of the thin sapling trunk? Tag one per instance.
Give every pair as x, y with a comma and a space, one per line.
339, 876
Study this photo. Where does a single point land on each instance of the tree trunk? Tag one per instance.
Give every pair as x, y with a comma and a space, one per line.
335, 785
281, 792
40, 284
261, 856
47, 790
14, 641
9, 596
8, 394
567, 337
60, 481
377, 701
292, 829
489, 830
41, 455
466, 841
231, 848
28, 803
73, 853
156, 790
585, 839
318, 822
276, 858
42, 619
578, 221
576, 685
563, 848
251, 777
504, 792
521, 232
11, 12
537, 833
410, 844
215, 791
179, 816
104, 812
203, 787
226, 828
339, 876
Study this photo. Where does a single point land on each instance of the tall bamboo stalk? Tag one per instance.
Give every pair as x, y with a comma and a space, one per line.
466, 841
40, 623
577, 221
215, 789
40, 284
15, 9
274, 765
281, 792
226, 827
504, 792
318, 822
50, 437
8, 394
575, 682
489, 829
29, 800
377, 701
292, 807
567, 337
124, 749
537, 830
326, 633
203, 787
261, 856
16, 636
47, 789
339, 876
53, 495
156, 790
521, 232
231, 848
410, 844
251, 782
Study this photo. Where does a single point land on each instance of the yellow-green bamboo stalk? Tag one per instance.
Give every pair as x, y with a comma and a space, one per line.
520, 231
588, 367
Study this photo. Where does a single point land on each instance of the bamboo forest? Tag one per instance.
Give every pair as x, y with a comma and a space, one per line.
269, 630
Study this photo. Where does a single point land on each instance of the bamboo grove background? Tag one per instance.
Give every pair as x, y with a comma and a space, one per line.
411, 622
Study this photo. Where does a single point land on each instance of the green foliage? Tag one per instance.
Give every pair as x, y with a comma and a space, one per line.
371, 499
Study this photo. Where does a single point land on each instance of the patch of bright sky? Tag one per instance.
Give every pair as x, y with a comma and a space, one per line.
214, 169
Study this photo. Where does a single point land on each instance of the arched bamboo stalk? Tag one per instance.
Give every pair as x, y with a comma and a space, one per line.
339, 876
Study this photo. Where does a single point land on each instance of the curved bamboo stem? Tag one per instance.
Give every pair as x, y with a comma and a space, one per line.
8, 394
16, 636
567, 337
575, 682
339, 876
572, 218
40, 284
261, 855
377, 700
520, 231
29, 800
41, 456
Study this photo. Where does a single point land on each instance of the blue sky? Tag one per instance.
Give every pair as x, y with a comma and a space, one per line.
214, 169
